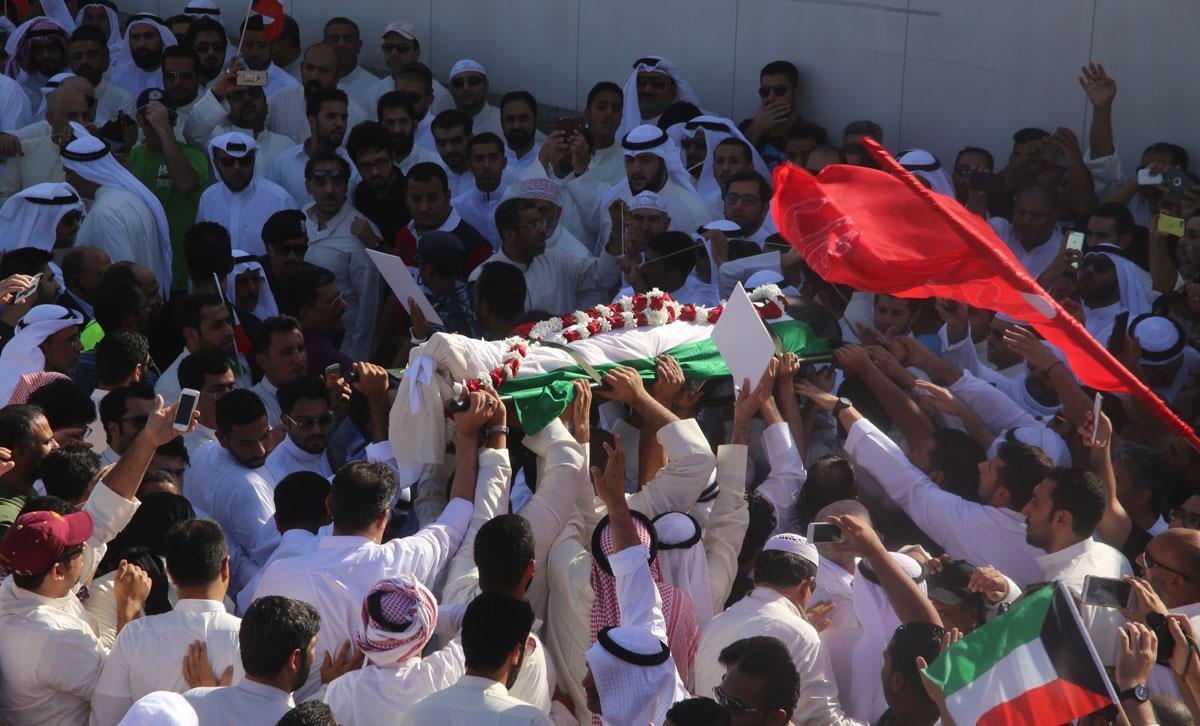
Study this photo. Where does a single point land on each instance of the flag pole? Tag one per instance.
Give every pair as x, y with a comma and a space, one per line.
241, 38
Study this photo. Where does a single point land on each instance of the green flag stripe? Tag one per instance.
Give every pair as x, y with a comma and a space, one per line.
978, 652
542, 398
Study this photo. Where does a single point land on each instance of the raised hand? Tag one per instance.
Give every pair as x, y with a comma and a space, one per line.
1101, 90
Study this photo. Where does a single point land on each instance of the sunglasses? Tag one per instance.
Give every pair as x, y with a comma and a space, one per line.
767, 91
731, 704
245, 94
330, 174
324, 420
298, 250
396, 48
208, 47
468, 81
228, 162
749, 200
1191, 520
1097, 262
1151, 564
178, 75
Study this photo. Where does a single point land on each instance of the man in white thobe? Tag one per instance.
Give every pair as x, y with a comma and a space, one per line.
402, 49
41, 143
243, 201
477, 206
138, 64
654, 84
280, 354
227, 107
304, 404
1032, 236
287, 110
469, 87
328, 122
343, 36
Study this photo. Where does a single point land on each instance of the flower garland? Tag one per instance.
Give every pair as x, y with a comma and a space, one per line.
653, 309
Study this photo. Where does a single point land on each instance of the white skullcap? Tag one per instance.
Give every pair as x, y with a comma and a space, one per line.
541, 188
1041, 437
234, 143
466, 65
403, 27
722, 225
676, 530
202, 7
161, 708
763, 277
648, 200
1161, 339
795, 544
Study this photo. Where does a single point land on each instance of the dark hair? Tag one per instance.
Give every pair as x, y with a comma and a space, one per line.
181, 51
672, 247
864, 127
495, 623
176, 448
362, 491
1079, 492
830, 479
503, 551
239, 407
764, 187
394, 99
291, 30
957, 456
1148, 470
762, 523
195, 550
203, 25
1024, 468
782, 68
254, 24
118, 354
315, 98
508, 214
327, 157
417, 72
698, 712
67, 471
741, 145
208, 251
910, 641
677, 113
1049, 193
525, 96
766, 658
16, 424
118, 298
1179, 155
65, 404
486, 137
427, 171
269, 327
604, 87
300, 501
1120, 215
368, 136
114, 405
502, 287
339, 20
807, 130
776, 567
303, 388
991, 162
1028, 134
452, 118
309, 713
24, 261
300, 289
273, 628
199, 365
89, 32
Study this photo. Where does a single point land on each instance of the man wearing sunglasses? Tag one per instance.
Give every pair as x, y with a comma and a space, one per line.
206, 38
89, 58
779, 91
402, 50
123, 414
1110, 283
469, 87
309, 422
243, 201
286, 242
229, 107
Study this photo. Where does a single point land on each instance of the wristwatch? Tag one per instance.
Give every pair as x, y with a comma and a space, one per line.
842, 404
496, 429
1138, 693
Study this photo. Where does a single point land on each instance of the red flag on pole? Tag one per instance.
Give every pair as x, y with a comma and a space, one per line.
22, 8
885, 232
272, 12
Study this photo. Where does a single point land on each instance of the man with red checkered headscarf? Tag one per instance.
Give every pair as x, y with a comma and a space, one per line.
37, 51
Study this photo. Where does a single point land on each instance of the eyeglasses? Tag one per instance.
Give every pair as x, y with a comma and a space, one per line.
331, 174
1188, 519
397, 48
298, 250
245, 94
539, 223
381, 163
324, 420
750, 200
139, 422
178, 75
231, 161
467, 81
334, 300
765, 91
208, 47
731, 704
1099, 262
1151, 564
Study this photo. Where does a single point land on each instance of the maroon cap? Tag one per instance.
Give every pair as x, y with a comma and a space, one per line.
38, 539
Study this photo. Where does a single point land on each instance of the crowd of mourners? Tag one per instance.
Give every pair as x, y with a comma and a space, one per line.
188, 207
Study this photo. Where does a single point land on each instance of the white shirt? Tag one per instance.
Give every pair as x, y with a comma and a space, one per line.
120, 223
291, 543
338, 574
244, 213
472, 701
977, 533
198, 437
459, 183
215, 114
98, 438
684, 207
478, 208
1036, 260
382, 694
786, 478
488, 119
335, 248
14, 106
418, 155
40, 161
767, 612
168, 386
358, 84
288, 172
249, 702
1071, 565
555, 278
267, 392
278, 79
287, 114
518, 163
441, 101
288, 458
150, 650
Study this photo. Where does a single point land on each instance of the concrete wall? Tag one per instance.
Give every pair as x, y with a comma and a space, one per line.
935, 73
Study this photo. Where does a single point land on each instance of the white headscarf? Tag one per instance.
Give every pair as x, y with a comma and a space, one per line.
1041, 437
634, 673
89, 157
683, 560
202, 9
13, 44
716, 130
48, 87
1134, 287
114, 22
22, 353
161, 708
30, 217
244, 262
57, 11
632, 116
649, 139
925, 165
125, 72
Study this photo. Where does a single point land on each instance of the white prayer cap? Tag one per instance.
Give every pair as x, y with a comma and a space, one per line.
925, 165
1162, 339
763, 277
541, 188
161, 708
234, 143
199, 8
796, 545
245, 262
466, 65
402, 27
30, 217
648, 200
1041, 437
22, 353
634, 675
722, 225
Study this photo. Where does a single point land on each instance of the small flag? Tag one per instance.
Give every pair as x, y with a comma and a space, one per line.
272, 12
22, 8
1032, 665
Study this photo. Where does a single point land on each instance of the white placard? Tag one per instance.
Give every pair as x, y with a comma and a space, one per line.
396, 273
742, 339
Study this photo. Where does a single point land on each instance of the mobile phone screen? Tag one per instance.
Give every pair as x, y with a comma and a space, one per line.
1105, 592
823, 532
187, 404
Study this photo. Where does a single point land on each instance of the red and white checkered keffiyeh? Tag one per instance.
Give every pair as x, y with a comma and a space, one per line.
683, 631
30, 382
398, 618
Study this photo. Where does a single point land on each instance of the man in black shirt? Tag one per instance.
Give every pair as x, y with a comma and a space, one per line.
380, 196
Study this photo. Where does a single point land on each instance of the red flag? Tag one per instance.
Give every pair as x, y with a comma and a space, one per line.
272, 12
22, 8
885, 232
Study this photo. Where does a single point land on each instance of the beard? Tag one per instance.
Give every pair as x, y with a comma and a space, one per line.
519, 138
146, 59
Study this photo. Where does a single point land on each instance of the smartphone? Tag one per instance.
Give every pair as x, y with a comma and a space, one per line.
28, 292
1105, 592
569, 125
1096, 405
1075, 241
1120, 327
349, 376
1166, 642
188, 399
333, 372
1177, 182
252, 78
1146, 179
824, 533
984, 181
1170, 225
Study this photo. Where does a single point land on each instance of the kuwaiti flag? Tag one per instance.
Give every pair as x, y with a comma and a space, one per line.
1032, 665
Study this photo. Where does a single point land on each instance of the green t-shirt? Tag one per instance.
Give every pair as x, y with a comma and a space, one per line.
91, 334
11, 503
150, 167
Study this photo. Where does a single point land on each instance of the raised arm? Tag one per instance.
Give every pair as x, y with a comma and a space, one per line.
1101, 92
1116, 524
900, 407
910, 604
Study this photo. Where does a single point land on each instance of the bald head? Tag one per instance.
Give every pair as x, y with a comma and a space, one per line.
1184, 547
844, 507
64, 105
319, 67
79, 84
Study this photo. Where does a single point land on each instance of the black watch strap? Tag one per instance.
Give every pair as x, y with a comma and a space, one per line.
842, 404
1138, 693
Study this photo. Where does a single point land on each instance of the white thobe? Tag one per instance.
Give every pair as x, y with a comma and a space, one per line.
419, 155
149, 651
98, 438
278, 79
684, 207
387, 84
1071, 565
607, 166
767, 612
120, 223
382, 694
358, 84
267, 392
198, 437
834, 585
1035, 260
249, 702
287, 458
478, 208
335, 248
168, 386
338, 574
287, 114
518, 164
15, 110
488, 119
111, 100
291, 543
471, 701
40, 161
244, 213
1162, 678
977, 533
288, 172
783, 484
459, 183
133, 79
562, 239
555, 278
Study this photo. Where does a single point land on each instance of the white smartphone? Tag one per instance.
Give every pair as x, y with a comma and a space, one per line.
1075, 241
824, 533
1106, 592
1146, 179
188, 399
1096, 416
252, 78
28, 292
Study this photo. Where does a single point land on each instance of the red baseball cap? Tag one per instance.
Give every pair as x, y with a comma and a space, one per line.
38, 539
